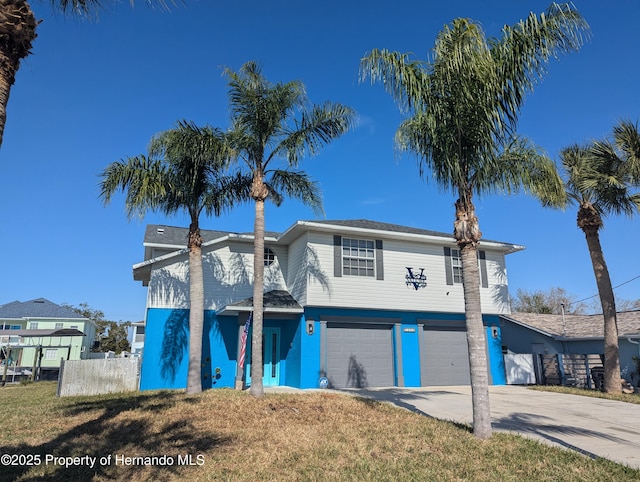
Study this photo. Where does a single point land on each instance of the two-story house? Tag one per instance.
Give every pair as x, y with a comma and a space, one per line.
359, 302
38, 333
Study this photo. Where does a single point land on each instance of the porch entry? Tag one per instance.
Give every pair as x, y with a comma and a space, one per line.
270, 358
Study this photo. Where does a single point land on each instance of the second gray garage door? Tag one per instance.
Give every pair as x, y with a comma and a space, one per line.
445, 358
359, 356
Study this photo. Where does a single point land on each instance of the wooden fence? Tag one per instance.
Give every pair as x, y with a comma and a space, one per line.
95, 377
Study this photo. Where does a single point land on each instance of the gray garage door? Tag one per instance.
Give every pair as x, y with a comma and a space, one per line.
445, 359
359, 355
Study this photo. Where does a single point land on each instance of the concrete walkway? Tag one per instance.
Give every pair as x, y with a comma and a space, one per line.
592, 426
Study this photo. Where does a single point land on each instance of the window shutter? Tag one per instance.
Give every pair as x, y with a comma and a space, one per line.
448, 270
484, 280
379, 260
337, 256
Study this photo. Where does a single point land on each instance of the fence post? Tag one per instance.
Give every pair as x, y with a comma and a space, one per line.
563, 379
60, 374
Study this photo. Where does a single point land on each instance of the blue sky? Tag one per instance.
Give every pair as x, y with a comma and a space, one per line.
95, 92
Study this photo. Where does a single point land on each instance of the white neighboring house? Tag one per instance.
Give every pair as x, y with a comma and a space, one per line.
137, 338
39, 333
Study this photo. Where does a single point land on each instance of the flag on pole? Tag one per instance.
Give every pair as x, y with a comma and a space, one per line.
243, 341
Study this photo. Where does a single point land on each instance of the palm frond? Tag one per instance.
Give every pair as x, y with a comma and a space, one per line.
523, 51
315, 129
627, 140
604, 173
298, 185
404, 79
146, 182
91, 7
523, 166
227, 192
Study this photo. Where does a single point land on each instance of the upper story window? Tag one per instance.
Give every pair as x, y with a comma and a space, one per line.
456, 266
33, 325
269, 257
58, 326
453, 267
358, 257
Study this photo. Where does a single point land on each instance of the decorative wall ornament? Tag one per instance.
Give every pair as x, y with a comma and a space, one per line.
415, 279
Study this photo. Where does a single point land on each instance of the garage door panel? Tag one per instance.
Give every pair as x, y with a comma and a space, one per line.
359, 356
446, 359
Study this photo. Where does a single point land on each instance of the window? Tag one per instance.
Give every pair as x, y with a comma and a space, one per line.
456, 266
50, 354
269, 257
58, 326
33, 325
358, 257
453, 266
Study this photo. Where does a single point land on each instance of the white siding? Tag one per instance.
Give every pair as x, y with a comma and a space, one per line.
495, 298
300, 256
228, 277
393, 292
307, 266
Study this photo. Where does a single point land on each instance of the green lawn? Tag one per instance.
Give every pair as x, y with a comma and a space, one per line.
229, 435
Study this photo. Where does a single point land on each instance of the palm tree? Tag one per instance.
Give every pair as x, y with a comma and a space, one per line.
464, 105
600, 179
18, 26
184, 171
265, 130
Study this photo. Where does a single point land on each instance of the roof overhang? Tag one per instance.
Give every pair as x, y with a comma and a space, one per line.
301, 227
42, 333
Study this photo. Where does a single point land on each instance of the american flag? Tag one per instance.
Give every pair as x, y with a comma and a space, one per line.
243, 341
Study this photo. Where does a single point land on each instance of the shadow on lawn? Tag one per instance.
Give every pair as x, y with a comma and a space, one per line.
141, 434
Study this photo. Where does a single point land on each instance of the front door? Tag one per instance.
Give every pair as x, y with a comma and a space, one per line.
271, 354
270, 357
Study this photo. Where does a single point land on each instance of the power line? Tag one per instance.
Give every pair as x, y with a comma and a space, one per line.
597, 294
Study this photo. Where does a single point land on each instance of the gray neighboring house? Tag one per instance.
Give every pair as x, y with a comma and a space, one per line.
572, 334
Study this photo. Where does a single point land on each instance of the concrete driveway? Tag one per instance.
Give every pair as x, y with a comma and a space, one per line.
592, 426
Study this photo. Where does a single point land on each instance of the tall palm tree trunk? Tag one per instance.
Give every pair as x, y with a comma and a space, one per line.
467, 235
607, 300
196, 310
476, 342
258, 289
17, 32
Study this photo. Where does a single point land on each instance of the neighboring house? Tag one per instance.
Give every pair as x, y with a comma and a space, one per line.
541, 334
41, 329
359, 302
137, 338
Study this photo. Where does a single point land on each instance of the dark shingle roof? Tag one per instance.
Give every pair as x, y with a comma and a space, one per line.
177, 237
38, 308
378, 226
272, 299
578, 326
174, 236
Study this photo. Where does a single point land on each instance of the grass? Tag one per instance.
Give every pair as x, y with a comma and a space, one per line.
621, 397
232, 436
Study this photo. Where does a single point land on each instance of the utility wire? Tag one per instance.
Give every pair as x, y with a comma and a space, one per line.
597, 294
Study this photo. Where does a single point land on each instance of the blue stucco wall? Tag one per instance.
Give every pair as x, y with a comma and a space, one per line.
410, 355
165, 360
494, 349
166, 351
